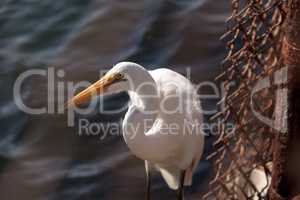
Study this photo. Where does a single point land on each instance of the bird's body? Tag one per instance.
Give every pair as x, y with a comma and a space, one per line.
163, 123
175, 141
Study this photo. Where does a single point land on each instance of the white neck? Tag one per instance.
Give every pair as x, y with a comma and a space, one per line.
141, 114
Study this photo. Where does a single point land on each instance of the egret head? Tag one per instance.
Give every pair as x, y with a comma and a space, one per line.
116, 80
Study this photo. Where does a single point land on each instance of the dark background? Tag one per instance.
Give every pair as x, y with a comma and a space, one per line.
40, 156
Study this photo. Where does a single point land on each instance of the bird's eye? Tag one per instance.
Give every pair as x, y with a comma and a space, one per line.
120, 76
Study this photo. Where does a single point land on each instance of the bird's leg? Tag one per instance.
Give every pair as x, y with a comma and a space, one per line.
148, 182
180, 195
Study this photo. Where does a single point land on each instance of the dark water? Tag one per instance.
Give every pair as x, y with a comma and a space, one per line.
42, 158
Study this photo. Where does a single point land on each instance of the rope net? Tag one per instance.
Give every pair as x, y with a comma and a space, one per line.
242, 158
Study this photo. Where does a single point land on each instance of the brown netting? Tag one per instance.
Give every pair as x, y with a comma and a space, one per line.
253, 41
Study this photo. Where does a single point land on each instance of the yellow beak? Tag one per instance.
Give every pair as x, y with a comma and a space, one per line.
95, 89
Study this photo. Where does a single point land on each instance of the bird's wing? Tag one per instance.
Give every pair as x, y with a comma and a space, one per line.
171, 83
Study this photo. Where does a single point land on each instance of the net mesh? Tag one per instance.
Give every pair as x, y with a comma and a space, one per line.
244, 156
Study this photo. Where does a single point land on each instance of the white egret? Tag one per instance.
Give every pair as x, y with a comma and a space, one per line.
162, 124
